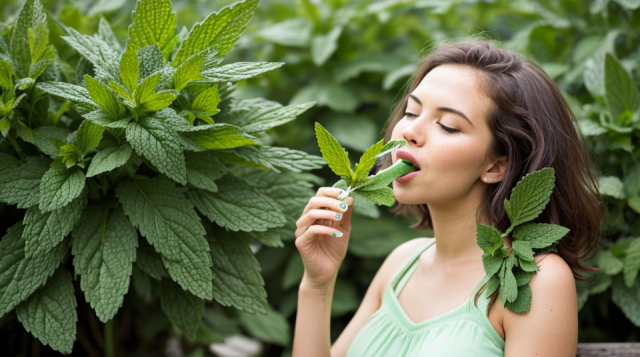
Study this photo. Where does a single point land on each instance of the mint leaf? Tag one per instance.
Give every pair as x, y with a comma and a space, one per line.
272, 327
149, 261
522, 303
522, 277
530, 196
492, 285
102, 118
206, 103
99, 53
219, 31
508, 286
104, 247
272, 158
632, 262
237, 206
50, 314
627, 300
528, 266
129, 69
8, 162
108, 159
24, 275
88, 136
385, 177
539, 235
105, 33
72, 92
150, 61
59, 186
104, 98
169, 222
203, 169
368, 159
31, 17
189, 70
20, 185
153, 24
45, 230
621, 93
141, 283
218, 136
160, 145
277, 117
334, 154
492, 265
234, 72
488, 238
45, 136
380, 196
236, 274
523, 249
609, 263
183, 309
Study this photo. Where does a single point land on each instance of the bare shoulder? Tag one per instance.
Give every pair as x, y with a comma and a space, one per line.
399, 256
553, 273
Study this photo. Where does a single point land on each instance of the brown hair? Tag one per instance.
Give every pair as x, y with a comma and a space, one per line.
534, 127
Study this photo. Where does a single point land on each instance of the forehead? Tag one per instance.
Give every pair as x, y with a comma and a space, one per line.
455, 86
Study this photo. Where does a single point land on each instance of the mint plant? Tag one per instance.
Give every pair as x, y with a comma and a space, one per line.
512, 269
357, 183
136, 170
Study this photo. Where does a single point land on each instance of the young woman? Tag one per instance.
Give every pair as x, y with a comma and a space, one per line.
476, 119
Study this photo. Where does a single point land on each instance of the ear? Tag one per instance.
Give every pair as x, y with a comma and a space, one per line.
495, 170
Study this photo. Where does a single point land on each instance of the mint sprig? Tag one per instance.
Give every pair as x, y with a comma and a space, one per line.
358, 183
511, 269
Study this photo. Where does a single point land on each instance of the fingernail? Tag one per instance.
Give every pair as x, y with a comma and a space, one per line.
339, 216
337, 234
343, 206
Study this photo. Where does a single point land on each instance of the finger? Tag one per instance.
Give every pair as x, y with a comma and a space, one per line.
318, 214
346, 217
320, 202
313, 232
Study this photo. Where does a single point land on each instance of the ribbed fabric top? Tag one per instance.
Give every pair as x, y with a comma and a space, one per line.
463, 331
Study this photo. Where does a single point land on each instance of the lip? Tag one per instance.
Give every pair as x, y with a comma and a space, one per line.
407, 156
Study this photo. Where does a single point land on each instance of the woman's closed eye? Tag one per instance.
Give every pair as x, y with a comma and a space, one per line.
448, 129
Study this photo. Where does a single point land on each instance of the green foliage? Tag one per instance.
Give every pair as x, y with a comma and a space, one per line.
120, 163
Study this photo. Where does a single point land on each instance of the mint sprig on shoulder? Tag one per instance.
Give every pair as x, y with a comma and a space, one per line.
511, 269
358, 183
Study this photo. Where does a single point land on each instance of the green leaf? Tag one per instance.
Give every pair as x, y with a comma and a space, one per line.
88, 136
237, 206
272, 327
69, 91
632, 181
8, 162
380, 196
105, 33
323, 46
50, 314
334, 154
632, 262
189, 70
20, 185
491, 264
108, 159
611, 186
523, 277
103, 57
104, 248
219, 31
384, 178
104, 98
182, 308
129, 69
234, 72
160, 145
31, 17
492, 285
272, 158
20, 276
530, 196
150, 262
609, 263
206, 103
45, 137
203, 168
45, 230
529, 266
488, 238
277, 117
150, 61
59, 186
153, 24
508, 284
169, 222
621, 92
146, 90
141, 283
236, 274
627, 300
368, 159
102, 118
539, 235
295, 32
523, 249
522, 303
6, 73
218, 136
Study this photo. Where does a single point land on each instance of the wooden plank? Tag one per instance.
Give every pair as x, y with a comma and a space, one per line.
608, 349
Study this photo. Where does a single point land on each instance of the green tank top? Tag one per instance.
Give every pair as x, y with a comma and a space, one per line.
464, 331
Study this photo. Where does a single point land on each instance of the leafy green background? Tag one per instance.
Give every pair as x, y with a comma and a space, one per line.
354, 57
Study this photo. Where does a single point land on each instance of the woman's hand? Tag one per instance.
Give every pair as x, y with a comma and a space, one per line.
322, 236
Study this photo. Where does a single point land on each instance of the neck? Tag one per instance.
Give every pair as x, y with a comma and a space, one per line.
454, 227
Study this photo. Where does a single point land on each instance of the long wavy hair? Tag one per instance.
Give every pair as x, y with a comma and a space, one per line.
534, 127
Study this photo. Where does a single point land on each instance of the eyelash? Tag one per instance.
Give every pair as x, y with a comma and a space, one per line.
445, 128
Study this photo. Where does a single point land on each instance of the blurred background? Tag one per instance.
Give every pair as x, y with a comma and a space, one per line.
354, 59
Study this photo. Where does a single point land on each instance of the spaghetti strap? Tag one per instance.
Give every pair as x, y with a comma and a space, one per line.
403, 274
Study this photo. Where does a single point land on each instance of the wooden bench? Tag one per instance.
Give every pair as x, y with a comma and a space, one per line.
608, 350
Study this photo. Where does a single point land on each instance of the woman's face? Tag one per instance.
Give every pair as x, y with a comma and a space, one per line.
445, 126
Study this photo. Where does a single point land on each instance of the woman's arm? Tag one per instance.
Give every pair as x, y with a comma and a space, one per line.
550, 328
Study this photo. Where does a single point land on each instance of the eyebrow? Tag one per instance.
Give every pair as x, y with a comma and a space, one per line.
445, 109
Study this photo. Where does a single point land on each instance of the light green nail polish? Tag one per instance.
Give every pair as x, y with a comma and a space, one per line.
339, 216
343, 205
337, 234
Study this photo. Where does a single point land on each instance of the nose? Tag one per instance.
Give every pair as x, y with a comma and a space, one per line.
413, 133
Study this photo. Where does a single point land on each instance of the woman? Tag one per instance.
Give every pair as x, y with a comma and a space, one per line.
476, 120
